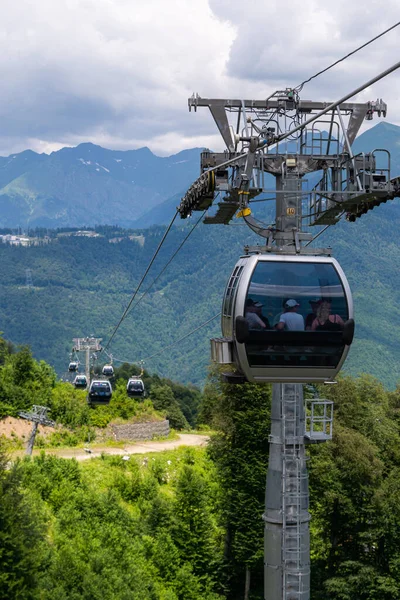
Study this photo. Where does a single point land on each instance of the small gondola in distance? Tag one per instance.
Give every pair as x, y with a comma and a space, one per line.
135, 388
80, 382
100, 392
108, 371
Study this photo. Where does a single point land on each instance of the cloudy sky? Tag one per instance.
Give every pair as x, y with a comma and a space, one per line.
118, 72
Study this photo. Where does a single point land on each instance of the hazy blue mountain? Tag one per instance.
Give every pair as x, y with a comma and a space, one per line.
161, 214
382, 136
89, 185
15, 165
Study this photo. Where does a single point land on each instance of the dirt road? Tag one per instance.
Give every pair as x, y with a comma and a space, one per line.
185, 439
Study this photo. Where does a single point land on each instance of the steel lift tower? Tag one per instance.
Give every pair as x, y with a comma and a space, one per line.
38, 415
299, 143
88, 345
28, 279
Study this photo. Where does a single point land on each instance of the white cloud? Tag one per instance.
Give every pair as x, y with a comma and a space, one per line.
119, 72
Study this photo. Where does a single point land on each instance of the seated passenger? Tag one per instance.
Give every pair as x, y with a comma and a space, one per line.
291, 320
251, 316
277, 317
258, 306
324, 321
310, 318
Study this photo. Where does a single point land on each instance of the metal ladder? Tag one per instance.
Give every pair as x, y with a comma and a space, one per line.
294, 482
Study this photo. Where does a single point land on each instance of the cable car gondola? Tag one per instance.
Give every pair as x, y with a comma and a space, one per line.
73, 366
135, 388
108, 371
80, 381
268, 347
100, 392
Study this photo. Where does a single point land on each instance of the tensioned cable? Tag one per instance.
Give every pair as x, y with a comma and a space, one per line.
141, 281
181, 338
169, 262
301, 85
143, 360
323, 230
120, 360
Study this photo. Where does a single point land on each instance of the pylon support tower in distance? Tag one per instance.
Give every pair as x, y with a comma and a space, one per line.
88, 345
292, 140
28, 278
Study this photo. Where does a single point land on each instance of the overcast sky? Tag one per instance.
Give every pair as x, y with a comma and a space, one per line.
119, 72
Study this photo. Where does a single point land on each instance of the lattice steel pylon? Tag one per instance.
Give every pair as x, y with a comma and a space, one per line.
38, 415
290, 138
87, 345
28, 278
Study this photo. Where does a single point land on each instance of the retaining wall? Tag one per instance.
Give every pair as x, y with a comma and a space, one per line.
140, 431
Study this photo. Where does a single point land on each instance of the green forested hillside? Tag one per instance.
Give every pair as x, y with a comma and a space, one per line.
82, 286
25, 382
186, 524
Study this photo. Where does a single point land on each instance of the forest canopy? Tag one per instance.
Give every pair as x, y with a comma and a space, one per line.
186, 524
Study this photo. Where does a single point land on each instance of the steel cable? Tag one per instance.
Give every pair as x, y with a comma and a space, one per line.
141, 281
168, 263
301, 85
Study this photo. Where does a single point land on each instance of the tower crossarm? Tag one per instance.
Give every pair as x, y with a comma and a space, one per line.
282, 101
38, 414
373, 200
91, 343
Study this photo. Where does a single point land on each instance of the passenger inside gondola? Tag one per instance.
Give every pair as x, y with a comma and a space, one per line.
258, 309
277, 317
310, 318
253, 319
324, 320
299, 336
290, 319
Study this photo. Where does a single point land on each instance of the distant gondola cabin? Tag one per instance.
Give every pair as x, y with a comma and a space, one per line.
108, 370
80, 381
100, 392
135, 388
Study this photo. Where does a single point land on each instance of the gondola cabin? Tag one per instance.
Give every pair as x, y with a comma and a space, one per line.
285, 318
135, 388
80, 382
100, 392
73, 366
108, 371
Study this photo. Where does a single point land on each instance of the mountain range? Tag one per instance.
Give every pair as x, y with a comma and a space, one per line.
89, 185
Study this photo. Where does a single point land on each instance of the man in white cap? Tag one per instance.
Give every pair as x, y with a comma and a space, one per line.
291, 320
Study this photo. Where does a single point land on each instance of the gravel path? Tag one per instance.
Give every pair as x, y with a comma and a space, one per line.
185, 439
